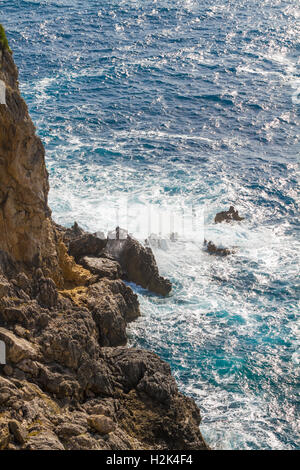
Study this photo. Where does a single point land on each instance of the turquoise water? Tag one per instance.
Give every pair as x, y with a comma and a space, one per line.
185, 106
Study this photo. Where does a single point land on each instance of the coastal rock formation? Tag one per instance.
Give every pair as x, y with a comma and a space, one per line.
116, 257
228, 216
138, 264
212, 249
81, 243
69, 381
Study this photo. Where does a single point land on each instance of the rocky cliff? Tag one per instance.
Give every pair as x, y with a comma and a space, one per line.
69, 381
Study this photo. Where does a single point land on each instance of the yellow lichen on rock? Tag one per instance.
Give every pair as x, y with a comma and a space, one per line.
73, 274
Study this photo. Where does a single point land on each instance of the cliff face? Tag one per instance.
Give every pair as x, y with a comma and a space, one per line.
25, 227
27, 233
68, 381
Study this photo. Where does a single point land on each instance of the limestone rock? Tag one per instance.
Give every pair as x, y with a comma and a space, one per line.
4, 434
86, 245
158, 386
4, 287
17, 348
103, 267
46, 292
67, 430
138, 264
113, 305
44, 440
102, 424
81, 243
18, 431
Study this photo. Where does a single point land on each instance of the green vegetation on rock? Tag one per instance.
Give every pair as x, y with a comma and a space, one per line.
3, 40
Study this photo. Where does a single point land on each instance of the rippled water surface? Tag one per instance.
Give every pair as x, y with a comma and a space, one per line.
181, 105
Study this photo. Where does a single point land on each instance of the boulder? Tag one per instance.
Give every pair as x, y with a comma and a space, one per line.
44, 440
18, 431
81, 243
139, 265
16, 348
103, 267
67, 430
102, 424
228, 216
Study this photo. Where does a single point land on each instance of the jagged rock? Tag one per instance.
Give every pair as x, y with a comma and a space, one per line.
67, 336
81, 243
131, 365
85, 442
105, 407
4, 434
102, 424
159, 387
14, 315
17, 348
67, 430
212, 249
44, 440
139, 265
70, 234
103, 267
86, 245
4, 287
7, 265
113, 305
24, 218
23, 282
18, 431
46, 292
228, 216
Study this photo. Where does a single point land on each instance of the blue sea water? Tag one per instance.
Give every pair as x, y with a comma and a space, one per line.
183, 105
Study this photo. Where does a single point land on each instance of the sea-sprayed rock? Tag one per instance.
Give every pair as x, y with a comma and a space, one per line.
139, 265
213, 249
81, 243
228, 216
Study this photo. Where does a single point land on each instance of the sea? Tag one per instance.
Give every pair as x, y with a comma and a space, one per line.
155, 116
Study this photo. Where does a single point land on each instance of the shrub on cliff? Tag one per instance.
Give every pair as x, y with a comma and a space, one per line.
3, 40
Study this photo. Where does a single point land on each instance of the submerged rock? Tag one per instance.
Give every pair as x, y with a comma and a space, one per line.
228, 216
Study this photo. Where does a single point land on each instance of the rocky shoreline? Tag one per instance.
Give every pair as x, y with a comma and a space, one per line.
69, 381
